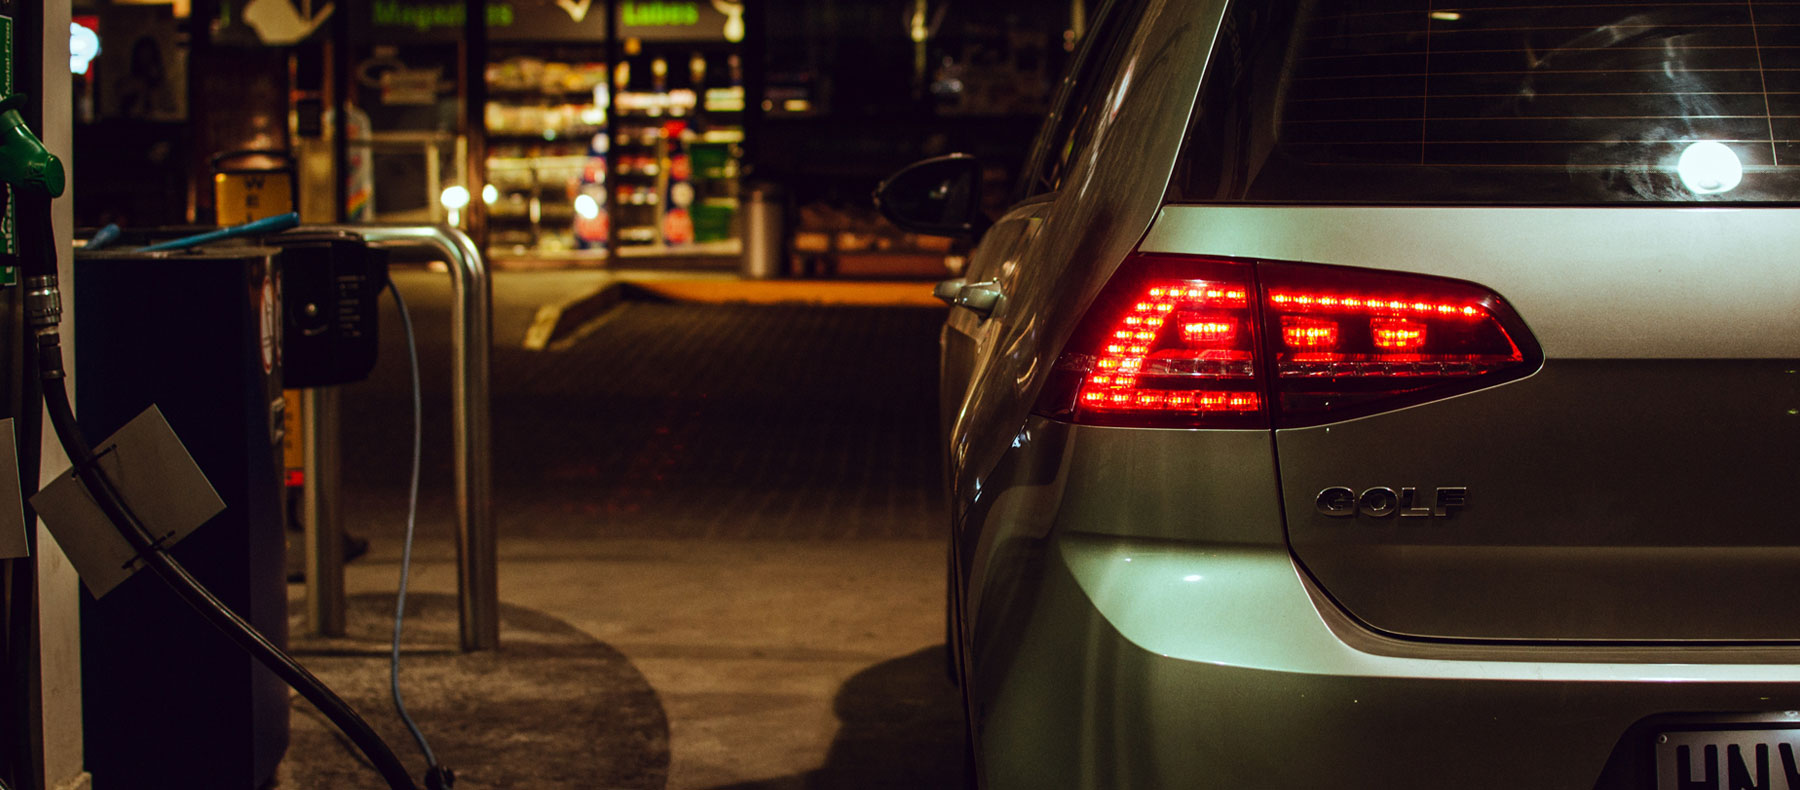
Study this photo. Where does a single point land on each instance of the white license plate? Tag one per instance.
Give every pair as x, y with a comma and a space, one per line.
1728, 760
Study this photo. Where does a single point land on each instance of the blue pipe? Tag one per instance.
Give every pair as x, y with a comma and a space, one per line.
275, 224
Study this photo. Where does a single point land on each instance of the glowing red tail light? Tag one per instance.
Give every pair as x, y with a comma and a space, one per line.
1207, 332
1313, 334
1397, 334
1177, 346
1183, 341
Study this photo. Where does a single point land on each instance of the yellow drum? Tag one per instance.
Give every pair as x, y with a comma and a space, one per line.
253, 185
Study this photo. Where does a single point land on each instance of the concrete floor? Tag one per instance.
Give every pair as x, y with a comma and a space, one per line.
747, 647
792, 647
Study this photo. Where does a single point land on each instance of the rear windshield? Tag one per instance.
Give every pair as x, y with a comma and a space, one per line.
1424, 101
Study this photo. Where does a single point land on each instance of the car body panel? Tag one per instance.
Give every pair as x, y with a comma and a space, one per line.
1049, 275
1215, 487
1582, 523
969, 337
1128, 675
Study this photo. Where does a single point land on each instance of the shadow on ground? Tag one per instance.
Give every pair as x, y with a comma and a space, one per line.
553, 708
900, 725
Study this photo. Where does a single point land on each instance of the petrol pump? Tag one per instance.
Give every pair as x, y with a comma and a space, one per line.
160, 330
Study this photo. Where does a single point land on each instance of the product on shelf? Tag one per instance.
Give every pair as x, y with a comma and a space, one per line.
649, 157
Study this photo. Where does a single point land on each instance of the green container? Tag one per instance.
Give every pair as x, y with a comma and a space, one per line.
712, 219
710, 160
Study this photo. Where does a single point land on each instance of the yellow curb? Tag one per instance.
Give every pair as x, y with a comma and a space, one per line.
537, 337
874, 293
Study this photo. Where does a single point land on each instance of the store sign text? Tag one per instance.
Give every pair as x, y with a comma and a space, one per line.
660, 14
425, 16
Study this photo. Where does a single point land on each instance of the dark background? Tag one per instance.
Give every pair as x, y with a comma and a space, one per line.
987, 73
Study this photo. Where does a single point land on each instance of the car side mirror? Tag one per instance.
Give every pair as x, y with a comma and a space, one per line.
940, 196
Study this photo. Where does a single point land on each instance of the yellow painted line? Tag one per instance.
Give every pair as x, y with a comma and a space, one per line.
910, 293
568, 338
543, 325
565, 321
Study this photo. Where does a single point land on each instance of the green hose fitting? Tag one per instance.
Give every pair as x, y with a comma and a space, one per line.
24, 161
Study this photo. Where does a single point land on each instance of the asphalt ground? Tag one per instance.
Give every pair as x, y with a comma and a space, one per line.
689, 420
720, 531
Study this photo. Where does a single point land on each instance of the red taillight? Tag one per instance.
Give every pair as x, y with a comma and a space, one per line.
1179, 347
1398, 334
1311, 334
1181, 341
1203, 332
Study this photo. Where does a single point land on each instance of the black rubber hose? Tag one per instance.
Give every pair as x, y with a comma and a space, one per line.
56, 400
177, 577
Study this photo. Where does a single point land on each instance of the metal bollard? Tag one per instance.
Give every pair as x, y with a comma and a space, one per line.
477, 556
765, 248
321, 516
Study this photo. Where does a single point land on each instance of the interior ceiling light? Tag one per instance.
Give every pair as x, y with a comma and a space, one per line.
1709, 167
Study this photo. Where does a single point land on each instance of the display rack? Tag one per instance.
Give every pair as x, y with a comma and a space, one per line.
565, 161
608, 129
546, 129
678, 133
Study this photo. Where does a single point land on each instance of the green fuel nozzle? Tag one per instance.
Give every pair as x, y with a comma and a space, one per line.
24, 161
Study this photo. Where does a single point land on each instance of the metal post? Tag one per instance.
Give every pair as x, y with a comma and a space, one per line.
765, 248
474, 81
320, 515
477, 557
340, 117
615, 165
434, 182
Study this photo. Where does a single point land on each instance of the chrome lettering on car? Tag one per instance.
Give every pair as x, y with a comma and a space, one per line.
1382, 502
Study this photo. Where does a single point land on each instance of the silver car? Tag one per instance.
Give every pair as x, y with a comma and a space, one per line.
1385, 394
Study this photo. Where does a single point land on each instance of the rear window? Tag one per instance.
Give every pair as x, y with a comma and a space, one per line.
1421, 101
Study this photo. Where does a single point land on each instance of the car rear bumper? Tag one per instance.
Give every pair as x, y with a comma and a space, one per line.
1141, 664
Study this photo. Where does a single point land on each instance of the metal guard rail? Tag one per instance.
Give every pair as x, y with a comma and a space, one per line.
477, 582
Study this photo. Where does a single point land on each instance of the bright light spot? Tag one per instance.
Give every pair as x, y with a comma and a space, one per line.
455, 198
1192, 577
1446, 16
84, 45
489, 194
587, 206
1709, 167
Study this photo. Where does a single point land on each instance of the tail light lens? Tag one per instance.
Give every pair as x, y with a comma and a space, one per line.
1182, 341
1169, 343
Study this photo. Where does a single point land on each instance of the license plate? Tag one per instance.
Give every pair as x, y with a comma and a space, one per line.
1728, 759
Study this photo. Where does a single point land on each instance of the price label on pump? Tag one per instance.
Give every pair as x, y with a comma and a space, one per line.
9, 224
6, 53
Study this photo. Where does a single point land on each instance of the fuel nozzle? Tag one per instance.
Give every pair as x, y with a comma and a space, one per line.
24, 161
36, 176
